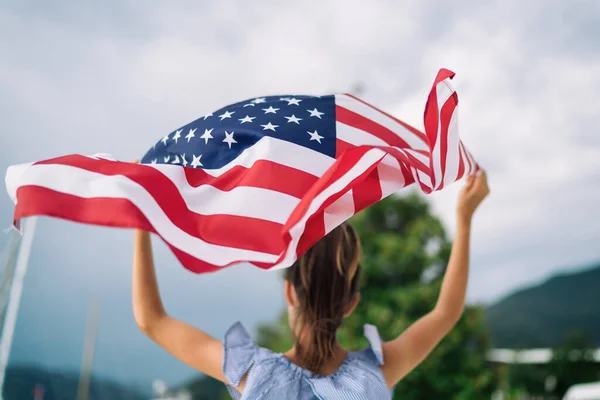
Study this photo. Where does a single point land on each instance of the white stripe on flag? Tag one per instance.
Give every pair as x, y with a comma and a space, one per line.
341, 210
453, 154
280, 152
374, 115
390, 176
366, 161
85, 184
443, 92
356, 136
244, 201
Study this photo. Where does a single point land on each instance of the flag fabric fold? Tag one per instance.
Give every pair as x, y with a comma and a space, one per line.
258, 181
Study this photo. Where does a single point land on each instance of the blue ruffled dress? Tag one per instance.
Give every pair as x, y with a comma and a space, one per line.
274, 377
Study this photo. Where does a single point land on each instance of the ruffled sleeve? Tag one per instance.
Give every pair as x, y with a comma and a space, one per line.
375, 343
238, 353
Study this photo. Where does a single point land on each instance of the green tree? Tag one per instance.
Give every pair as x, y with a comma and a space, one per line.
405, 251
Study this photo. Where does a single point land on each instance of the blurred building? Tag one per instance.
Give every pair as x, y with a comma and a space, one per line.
161, 391
546, 374
536, 356
587, 391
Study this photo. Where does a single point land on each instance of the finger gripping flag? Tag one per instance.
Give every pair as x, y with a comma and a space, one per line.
258, 181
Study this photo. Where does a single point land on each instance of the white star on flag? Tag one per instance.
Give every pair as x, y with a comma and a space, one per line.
207, 135
295, 102
315, 136
229, 139
247, 118
190, 135
226, 114
293, 118
177, 135
315, 113
196, 161
270, 110
269, 126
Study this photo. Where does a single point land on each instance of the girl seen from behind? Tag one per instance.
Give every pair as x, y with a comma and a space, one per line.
321, 289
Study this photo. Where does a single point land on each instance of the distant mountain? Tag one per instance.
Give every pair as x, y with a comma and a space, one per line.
22, 380
543, 315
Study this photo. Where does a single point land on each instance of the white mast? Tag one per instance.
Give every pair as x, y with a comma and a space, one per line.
88, 352
7, 267
15, 297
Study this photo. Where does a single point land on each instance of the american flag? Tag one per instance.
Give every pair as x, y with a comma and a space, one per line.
258, 181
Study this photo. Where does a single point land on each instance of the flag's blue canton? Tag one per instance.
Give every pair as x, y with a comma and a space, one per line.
216, 139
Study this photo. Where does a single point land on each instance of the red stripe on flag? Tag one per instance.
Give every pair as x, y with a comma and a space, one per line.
260, 175
466, 156
431, 127
341, 147
263, 174
193, 264
367, 192
408, 158
224, 230
341, 167
412, 129
445, 118
336, 171
461, 162
403, 158
120, 213
431, 117
361, 122
313, 232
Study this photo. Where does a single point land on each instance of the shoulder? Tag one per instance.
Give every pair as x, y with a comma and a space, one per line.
241, 353
369, 363
373, 354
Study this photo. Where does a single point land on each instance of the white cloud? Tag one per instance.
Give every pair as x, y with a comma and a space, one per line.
527, 117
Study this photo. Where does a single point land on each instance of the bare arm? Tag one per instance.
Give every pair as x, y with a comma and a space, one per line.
190, 345
404, 353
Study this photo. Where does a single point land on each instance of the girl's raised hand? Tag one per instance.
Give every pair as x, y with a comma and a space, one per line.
475, 191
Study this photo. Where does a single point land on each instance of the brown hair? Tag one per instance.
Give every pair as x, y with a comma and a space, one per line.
326, 280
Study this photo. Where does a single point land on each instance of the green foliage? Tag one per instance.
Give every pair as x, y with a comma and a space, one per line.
405, 251
541, 316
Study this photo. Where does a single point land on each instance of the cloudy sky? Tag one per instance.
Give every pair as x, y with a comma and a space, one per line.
114, 76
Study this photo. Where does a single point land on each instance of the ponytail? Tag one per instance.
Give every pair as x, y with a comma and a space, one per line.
325, 279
